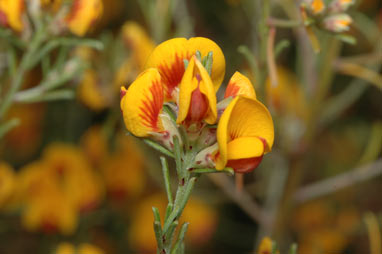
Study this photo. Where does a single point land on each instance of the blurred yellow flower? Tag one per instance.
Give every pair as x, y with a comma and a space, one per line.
138, 41
202, 220
266, 246
83, 14
73, 173
7, 183
46, 207
94, 144
287, 97
84, 248
90, 91
11, 14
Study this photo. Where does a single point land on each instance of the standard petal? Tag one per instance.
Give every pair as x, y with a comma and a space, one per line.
142, 103
205, 46
240, 85
168, 58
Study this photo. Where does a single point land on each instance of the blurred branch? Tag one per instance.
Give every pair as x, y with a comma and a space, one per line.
339, 182
271, 57
242, 199
374, 145
359, 71
7, 126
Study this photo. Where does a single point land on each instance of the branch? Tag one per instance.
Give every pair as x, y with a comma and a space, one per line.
339, 182
242, 199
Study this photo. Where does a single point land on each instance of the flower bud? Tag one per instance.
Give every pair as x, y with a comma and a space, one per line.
338, 23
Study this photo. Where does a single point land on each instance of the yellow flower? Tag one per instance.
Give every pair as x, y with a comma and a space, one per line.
287, 97
11, 14
138, 41
140, 45
7, 183
245, 133
239, 85
124, 176
317, 6
168, 58
265, 246
67, 164
142, 103
197, 99
94, 145
46, 207
83, 14
90, 92
84, 248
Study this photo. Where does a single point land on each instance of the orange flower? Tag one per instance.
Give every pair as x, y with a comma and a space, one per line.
7, 183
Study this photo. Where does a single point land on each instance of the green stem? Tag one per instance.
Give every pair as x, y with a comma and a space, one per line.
18, 80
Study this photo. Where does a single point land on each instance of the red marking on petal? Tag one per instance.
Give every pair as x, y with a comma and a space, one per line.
172, 75
232, 90
152, 106
76, 6
122, 93
49, 226
3, 19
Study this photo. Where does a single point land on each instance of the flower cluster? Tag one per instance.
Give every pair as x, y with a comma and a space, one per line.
78, 17
332, 18
174, 101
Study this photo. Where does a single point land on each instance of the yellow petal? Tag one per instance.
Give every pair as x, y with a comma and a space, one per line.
142, 104
244, 117
240, 85
168, 58
246, 147
138, 41
83, 14
189, 84
11, 12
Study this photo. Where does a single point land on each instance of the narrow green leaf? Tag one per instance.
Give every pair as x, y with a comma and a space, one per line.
158, 147
166, 176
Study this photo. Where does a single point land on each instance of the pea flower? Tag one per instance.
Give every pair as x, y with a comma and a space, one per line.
190, 83
83, 248
11, 12
83, 14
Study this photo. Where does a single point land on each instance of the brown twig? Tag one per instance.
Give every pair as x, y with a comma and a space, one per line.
339, 182
243, 199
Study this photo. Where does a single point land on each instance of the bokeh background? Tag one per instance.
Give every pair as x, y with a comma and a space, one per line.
69, 173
